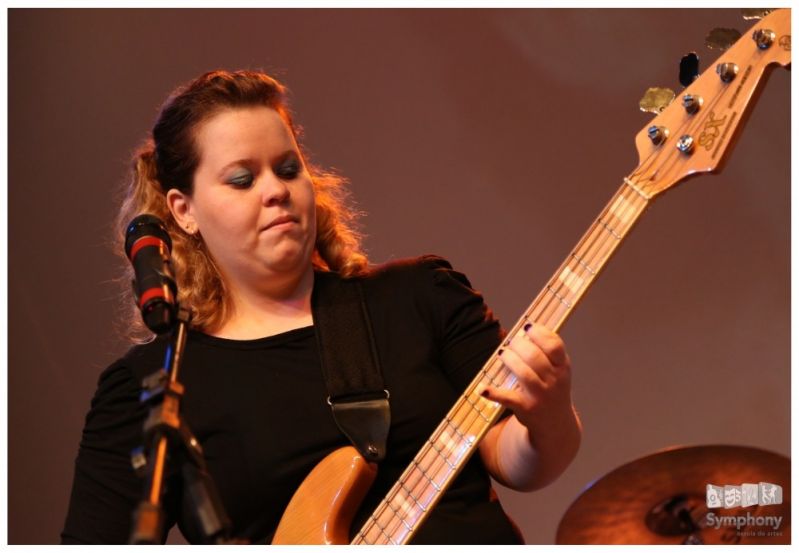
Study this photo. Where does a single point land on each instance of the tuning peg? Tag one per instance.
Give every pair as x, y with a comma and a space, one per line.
722, 38
689, 68
755, 13
655, 100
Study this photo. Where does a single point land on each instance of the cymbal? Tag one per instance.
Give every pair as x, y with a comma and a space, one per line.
661, 499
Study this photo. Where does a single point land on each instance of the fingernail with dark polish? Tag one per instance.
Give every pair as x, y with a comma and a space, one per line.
484, 393
527, 326
500, 352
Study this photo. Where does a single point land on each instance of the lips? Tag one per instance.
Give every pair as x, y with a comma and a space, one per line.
280, 220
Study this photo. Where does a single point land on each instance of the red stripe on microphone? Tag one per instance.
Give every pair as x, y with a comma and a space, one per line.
150, 294
143, 242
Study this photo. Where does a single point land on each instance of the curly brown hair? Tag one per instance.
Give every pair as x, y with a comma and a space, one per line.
169, 158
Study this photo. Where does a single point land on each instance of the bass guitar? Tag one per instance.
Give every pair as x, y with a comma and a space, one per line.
688, 137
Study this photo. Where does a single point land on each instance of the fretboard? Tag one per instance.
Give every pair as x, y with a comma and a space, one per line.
446, 452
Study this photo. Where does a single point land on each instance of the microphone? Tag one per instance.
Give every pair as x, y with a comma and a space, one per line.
148, 246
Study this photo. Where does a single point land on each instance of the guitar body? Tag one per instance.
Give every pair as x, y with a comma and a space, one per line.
322, 508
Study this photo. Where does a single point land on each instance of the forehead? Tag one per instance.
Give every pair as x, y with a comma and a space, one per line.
242, 132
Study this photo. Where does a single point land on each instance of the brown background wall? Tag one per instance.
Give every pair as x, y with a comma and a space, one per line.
492, 137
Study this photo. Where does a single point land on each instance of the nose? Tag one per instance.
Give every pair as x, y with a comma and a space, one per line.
274, 190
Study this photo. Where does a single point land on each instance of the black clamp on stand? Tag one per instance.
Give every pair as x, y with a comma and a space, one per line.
168, 439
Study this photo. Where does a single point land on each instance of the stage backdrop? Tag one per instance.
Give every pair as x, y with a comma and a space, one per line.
491, 137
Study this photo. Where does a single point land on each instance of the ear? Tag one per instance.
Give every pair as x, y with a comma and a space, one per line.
180, 206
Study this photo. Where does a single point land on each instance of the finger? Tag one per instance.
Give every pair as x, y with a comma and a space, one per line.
511, 399
524, 373
549, 342
533, 357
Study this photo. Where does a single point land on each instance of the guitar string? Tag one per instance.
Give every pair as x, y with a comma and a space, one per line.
459, 420
538, 311
455, 422
638, 172
687, 124
585, 260
431, 470
592, 253
378, 513
602, 253
447, 456
581, 259
594, 238
586, 242
444, 456
582, 253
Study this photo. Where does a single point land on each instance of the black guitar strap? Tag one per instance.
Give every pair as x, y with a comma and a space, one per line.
350, 363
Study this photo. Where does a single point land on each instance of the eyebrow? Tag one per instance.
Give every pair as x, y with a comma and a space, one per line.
252, 161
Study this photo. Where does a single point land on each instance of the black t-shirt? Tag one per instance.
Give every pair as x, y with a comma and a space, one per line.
259, 410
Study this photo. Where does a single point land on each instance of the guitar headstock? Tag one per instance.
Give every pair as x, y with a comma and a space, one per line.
697, 129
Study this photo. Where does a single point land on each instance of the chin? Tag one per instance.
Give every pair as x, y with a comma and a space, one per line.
288, 262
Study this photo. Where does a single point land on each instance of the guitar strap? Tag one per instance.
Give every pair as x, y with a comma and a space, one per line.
350, 365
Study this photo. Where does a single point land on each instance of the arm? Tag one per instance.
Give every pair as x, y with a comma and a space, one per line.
105, 489
532, 448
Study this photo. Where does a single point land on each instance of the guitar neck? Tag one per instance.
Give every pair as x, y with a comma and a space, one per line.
446, 452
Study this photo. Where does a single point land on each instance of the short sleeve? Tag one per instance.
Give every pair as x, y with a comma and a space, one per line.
105, 489
466, 330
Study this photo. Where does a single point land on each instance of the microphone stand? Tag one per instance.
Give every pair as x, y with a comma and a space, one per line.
169, 439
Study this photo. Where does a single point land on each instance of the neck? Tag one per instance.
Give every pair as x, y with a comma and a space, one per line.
264, 311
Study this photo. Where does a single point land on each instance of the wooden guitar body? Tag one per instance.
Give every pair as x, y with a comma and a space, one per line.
322, 508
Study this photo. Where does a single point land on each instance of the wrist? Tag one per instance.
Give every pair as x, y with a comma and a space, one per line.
559, 429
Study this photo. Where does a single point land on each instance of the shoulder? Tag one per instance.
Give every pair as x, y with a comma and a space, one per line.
123, 376
429, 273
144, 358
428, 284
422, 262
421, 270
411, 279
427, 276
